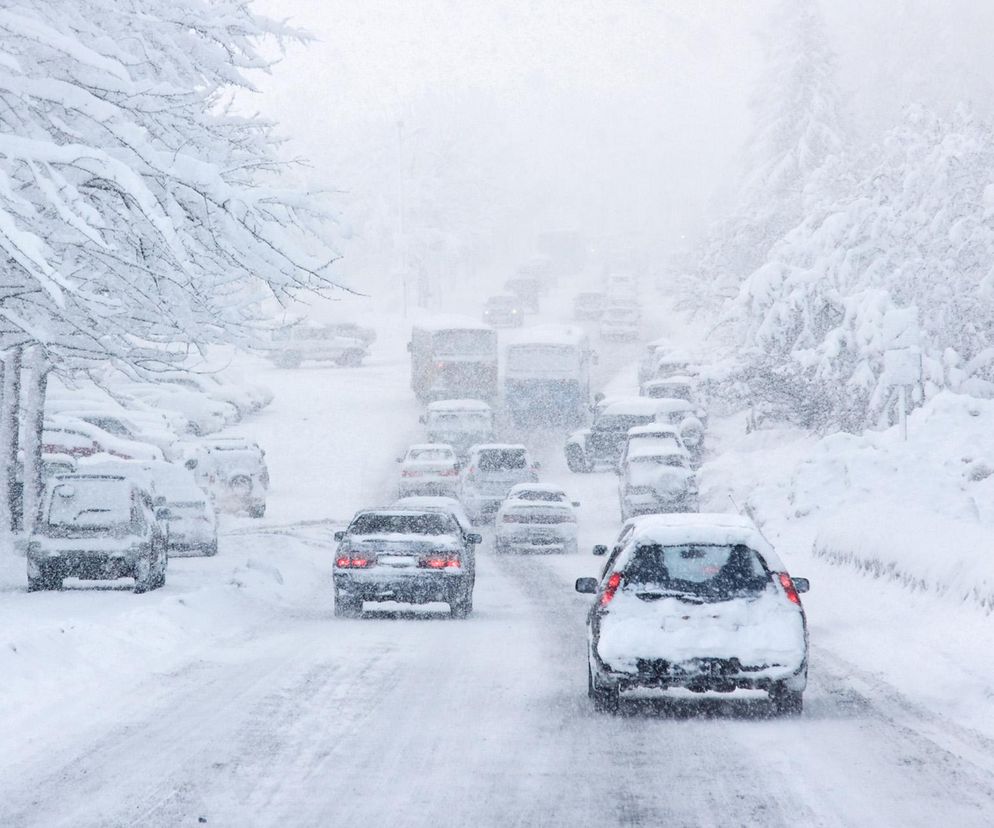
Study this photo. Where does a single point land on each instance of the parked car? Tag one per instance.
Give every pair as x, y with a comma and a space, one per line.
674, 388
428, 469
308, 341
352, 330
55, 464
410, 556
655, 479
604, 441
490, 471
589, 305
234, 471
543, 524
700, 602
192, 513
459, 423
97, 527
77, 438
621, 322
201, 414
504, 311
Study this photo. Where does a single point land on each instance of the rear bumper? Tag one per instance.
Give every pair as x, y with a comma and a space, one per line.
91, 566
416, 587
634, 505
549, 538
702, 675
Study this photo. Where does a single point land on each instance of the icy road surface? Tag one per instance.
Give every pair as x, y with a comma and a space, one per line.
234, 698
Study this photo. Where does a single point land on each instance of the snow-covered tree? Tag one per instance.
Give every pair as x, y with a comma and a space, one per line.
799, 128
137, 211
913, 231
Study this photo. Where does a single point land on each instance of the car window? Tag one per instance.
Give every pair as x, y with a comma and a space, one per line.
429, 454
700, 569
502, 459
540, 495
378, 523
90, 504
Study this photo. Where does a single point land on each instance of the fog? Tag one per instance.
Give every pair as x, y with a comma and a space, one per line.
492, 122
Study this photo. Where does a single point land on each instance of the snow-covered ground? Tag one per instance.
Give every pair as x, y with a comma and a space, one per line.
234, 697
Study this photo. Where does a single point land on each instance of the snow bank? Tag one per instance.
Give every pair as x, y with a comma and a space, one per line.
920, 513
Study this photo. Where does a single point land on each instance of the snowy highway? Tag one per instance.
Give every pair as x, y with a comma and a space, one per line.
262, 709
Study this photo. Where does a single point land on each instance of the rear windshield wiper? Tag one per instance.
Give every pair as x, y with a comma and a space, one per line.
655, 595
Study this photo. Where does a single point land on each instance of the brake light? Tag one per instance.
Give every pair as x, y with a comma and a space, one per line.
355, 561
448, 473
612, 587
410, 473
439, 562
439, 365
788, 588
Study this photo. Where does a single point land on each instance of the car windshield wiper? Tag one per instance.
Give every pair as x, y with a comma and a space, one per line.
655, 595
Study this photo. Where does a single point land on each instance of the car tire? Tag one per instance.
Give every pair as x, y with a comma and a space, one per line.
145, 575
347, 607
462, 606
210, 550
786, 702
50, 579
257, 511
606, 700
575, 460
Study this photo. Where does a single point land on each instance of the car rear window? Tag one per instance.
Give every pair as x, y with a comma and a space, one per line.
502, 459
90, 504
700, 569
376, 523
430, 454
541, 496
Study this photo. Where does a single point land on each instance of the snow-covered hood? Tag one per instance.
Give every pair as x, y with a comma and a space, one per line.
759, 630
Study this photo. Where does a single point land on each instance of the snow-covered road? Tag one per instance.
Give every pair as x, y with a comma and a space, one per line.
247, 703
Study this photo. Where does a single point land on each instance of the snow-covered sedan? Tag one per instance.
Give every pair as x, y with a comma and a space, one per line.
535, 518
654, 479
700, 602
411, 556
428, 469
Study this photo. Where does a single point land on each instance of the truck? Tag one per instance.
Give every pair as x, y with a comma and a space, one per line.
547, 376
453, 358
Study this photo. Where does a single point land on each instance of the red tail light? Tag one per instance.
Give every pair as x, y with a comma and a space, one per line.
355, 561
439, 562
409, 473
788, 588
448, 473
612, 587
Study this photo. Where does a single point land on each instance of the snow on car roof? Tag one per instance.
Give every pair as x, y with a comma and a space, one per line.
674, 380
429, 447
547, 335
670, 404
660, 429
450, 322
635, 406
706, 528
536, 487
498, 447
458, 405
644, 448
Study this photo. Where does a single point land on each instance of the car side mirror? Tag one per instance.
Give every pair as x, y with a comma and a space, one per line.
340, 535
536, 465
801, 585
474, 538
163, 514
588, 586
191, 464
576, 504
159, 501
600, 549
400, 459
